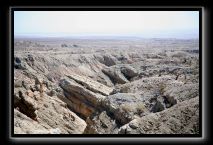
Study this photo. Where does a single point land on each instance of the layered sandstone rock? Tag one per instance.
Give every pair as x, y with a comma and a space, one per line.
113, 87
46, 114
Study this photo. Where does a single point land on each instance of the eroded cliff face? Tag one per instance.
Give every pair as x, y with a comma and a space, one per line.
105, 90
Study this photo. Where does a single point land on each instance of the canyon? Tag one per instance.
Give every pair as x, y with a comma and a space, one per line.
106, 86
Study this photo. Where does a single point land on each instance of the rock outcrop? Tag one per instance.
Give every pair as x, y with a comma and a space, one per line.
92, 85
106, 87
179, 119
36, 112
101, 123
84, 93
25, 125
125, 106
107, 59
128, 71
115, 75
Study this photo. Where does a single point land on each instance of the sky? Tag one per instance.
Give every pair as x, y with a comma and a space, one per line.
147, 24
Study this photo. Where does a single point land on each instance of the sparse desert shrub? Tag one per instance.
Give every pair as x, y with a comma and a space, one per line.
195, 63
179, 54
162, 54
125, 89
149, 87
64, 45
126, 108
177, 75
169, 100
167, 60
157, 107
162, 87
140, 108
75, 45
136, 108
159, 90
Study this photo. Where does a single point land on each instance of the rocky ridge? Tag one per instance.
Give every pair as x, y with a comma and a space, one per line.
70, 90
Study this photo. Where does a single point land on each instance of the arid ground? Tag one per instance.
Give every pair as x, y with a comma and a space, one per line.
106, 86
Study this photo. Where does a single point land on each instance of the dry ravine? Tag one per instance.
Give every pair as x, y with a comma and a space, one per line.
74, 86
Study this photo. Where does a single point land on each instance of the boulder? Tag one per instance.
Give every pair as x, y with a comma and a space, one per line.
101, 123
124, 106
128, 71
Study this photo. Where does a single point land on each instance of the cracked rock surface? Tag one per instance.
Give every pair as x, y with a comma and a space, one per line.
88, 86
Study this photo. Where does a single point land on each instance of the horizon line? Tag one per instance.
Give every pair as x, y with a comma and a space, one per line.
97, 35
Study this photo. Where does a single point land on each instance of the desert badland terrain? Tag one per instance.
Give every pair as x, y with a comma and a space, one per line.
106, 86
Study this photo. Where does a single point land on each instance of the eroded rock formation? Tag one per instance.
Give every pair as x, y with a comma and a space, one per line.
110, 89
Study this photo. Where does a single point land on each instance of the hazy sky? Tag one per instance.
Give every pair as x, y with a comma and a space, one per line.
176, 24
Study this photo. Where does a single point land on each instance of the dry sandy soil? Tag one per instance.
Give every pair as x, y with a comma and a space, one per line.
106, 86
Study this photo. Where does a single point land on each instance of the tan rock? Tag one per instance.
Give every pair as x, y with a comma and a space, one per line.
30, 93
84, 94
92, 85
